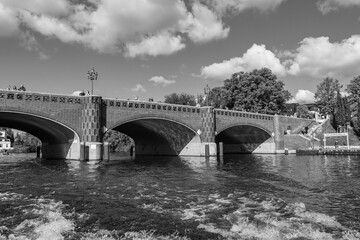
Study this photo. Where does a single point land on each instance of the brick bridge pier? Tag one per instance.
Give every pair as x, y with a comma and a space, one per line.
67, 124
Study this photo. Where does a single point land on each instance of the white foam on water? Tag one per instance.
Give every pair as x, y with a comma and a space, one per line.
141, 235
273, 219
6, 196
44, 219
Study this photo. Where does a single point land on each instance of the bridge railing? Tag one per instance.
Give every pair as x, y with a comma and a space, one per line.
150, 105
39, 97
241, 114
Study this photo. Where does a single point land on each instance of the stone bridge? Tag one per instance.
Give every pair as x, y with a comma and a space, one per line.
66, 123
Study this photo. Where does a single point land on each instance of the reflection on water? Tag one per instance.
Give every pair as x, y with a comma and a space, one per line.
239, 197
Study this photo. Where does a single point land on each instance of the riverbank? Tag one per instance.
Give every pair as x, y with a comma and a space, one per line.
330, 151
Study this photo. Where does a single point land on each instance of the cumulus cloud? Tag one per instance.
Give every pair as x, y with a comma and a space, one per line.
303, 97
326, 6
138, 88
256, 57
318, 57
48, 7
28, 41
237, 6
115, 26
315, 58
203, 25
160, 80
9, 23
161, 44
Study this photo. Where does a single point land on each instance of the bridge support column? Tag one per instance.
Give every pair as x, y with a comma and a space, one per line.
207, 132
278, 135
92, 127
106, 155
94, 150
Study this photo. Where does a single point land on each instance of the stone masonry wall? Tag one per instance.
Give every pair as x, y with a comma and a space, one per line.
121, 111
60, 108
228, 118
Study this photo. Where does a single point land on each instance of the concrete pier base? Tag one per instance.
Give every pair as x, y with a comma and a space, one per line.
106, 155
93, 151
199, 149
61, 151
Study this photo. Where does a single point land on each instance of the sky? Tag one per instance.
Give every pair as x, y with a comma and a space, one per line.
152, 48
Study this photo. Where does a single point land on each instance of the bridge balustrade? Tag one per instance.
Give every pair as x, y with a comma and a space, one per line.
241, 114
40, 97
153, 106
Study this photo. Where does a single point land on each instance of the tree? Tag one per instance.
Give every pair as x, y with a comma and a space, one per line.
218, 97
354, 94
256, 91
26, 142
302, 111
353, 88
180, 99
326, 96
117, 141
342, 111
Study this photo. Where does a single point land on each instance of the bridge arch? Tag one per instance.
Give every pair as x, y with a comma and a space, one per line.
58, 140
245, 138
157, 135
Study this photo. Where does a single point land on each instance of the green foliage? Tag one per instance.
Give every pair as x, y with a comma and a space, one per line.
326, 95
256, 91
353, 88
26, 142
302, 111
181, 99
118, 141
357, 121
342, 112
10, 135
218, 97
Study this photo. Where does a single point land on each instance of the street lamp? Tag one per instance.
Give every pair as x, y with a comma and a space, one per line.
207, 91
92, 75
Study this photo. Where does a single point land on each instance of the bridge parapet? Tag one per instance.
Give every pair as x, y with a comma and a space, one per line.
40, 97
121, 103
241, 114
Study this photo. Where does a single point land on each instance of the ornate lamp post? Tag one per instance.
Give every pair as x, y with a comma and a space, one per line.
207, 91
92, 75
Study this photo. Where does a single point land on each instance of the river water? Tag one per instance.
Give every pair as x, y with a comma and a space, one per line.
238, 197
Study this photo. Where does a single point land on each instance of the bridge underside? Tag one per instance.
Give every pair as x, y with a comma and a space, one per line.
245, 139
58, 141
158, 136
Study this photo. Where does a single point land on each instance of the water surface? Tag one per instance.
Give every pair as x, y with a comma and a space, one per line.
238, 197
